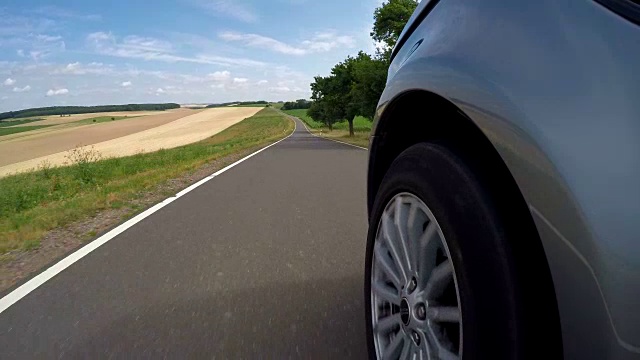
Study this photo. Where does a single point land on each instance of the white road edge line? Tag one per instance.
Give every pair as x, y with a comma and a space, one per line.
24, 290
322, 137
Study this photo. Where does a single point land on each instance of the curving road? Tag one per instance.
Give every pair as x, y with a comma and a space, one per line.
265, 260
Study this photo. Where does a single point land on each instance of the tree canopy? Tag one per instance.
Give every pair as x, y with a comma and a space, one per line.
298, 104
355, 85
390, 19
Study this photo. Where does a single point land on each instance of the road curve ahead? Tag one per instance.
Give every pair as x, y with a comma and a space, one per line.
265, 260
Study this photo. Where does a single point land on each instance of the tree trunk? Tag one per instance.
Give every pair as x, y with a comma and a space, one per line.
351, 134
330, 126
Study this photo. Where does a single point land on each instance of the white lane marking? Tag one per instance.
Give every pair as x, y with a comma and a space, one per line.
61, 265
322, 137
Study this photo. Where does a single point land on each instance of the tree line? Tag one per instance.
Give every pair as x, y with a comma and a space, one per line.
355, 85
67, 110
298, 104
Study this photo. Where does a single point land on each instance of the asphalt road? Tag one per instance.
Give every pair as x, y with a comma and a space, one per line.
265, 260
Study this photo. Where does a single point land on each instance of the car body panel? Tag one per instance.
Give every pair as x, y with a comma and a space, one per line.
553, 85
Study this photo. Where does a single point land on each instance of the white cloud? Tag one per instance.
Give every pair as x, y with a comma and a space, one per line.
240, 80
229, 8
5, 97
263, 82
145, 48
54, 92
328, 41
220, 75
9, 82
24, 89
77, 68
280, 89
48, 38
20, 52
160, 91
320, 42
126, 84
262, 42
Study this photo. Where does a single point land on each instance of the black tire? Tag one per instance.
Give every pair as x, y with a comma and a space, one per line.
496, 314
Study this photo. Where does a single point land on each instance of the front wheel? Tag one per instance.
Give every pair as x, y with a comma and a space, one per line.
440, 279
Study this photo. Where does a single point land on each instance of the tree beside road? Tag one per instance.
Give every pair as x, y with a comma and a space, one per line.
355, 85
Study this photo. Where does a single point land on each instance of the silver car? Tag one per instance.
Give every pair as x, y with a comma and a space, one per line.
504, 184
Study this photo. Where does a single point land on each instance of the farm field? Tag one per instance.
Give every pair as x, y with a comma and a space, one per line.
160, 130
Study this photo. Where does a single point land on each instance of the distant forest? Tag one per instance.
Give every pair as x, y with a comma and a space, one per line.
239, 103
67, 110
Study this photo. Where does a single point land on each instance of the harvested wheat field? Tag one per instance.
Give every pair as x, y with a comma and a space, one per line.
37, 143
124, 138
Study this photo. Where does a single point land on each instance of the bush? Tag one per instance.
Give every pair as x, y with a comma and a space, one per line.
85, 159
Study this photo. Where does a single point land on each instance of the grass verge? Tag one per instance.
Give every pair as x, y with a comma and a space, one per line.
361, 127
14, 130
102, 119
31, 204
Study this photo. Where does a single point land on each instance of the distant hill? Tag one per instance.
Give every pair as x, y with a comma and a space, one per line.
67, 110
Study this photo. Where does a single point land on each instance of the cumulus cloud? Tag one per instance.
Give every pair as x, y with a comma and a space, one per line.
126, 84
160, 91
20, 52
220, 75
262, 82
320, 42
55, 92
23, 89
9, 82
240, 80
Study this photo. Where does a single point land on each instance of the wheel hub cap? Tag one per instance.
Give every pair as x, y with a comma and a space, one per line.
405, 312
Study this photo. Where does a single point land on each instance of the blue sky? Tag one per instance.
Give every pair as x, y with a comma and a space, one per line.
186, 51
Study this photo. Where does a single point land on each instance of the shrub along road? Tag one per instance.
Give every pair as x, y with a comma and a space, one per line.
264, 260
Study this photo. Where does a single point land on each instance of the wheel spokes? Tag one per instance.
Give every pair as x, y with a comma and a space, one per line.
387, 266
440, 278
427, 245
387, 324
395, 346
394, 245
401, 220
444, 314
436, 348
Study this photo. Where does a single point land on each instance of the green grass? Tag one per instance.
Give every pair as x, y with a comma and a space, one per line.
14, 130
360, 124
5, 123
250, 105
361, 128
33, 203
102, 119
277, 105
